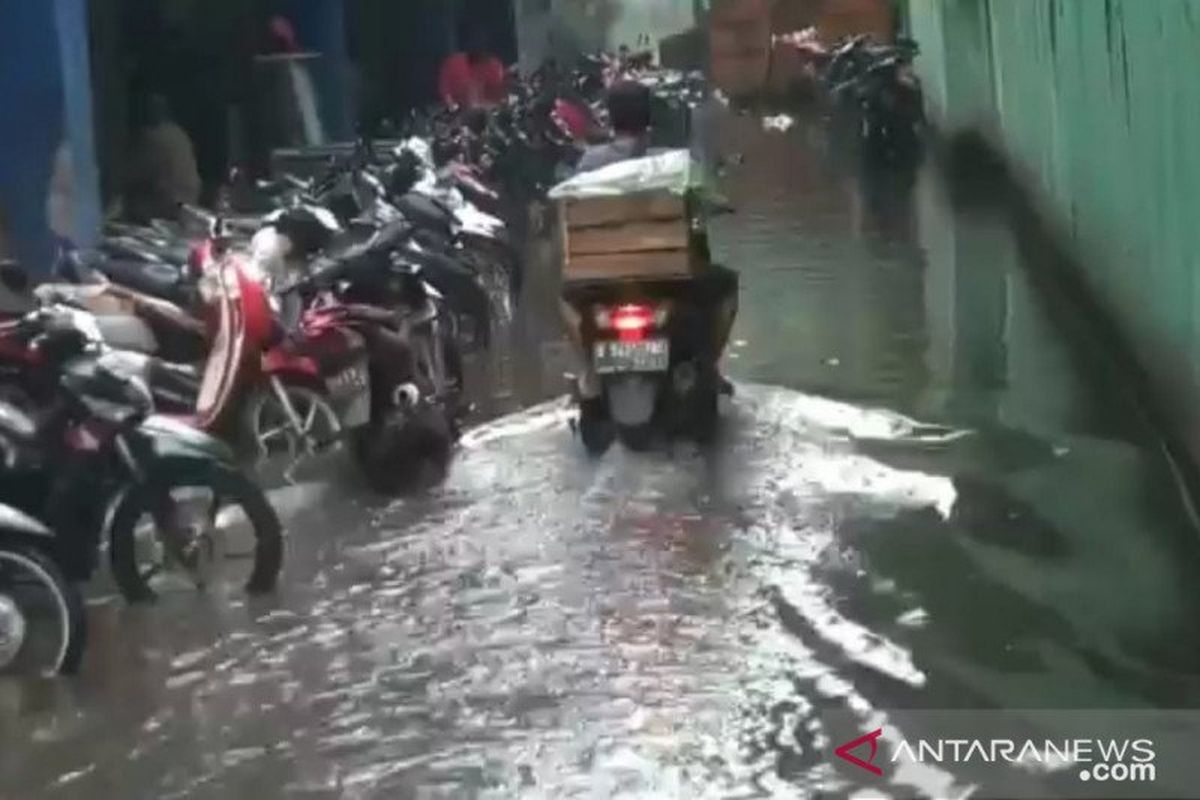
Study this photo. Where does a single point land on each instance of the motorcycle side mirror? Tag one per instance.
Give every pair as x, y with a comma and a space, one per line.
14, 277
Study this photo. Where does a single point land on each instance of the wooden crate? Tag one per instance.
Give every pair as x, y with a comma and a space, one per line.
645, 234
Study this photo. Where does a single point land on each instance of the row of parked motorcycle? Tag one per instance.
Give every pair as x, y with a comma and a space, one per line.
155, 384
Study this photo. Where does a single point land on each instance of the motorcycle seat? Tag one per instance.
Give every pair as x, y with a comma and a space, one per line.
164, 281
350, 244
425, 212
127, 332
351, 252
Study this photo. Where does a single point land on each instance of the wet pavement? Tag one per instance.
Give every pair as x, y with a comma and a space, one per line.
926, 496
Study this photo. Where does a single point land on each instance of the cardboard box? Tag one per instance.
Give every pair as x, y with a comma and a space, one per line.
738, 41
739, 36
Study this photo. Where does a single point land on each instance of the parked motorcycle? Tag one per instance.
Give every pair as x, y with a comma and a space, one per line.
43, 628
99, 466
408, 383
876, 91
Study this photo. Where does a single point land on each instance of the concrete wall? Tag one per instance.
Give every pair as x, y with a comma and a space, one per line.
1096, 103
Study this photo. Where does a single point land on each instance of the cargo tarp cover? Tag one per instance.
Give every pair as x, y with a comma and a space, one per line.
673, 171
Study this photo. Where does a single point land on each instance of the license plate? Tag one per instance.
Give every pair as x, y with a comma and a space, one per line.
651, 355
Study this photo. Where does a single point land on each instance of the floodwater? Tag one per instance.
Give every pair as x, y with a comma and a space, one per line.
929, 495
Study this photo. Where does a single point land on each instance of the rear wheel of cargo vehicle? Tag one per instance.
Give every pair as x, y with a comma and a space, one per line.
595, 427
637, 438
705, 414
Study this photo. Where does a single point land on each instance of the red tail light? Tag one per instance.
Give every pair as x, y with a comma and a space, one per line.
632, 321
629, 319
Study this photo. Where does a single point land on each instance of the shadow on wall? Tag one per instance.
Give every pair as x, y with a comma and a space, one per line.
1156, 378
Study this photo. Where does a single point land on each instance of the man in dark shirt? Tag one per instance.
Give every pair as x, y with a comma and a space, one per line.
629, 111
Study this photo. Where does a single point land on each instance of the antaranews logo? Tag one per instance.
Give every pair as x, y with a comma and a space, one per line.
1095, 760
845, 752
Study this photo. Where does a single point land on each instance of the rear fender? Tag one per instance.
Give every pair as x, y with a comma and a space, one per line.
632, 399
18, 526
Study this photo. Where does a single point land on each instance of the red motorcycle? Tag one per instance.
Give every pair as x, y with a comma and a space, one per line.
273, 392
356, 372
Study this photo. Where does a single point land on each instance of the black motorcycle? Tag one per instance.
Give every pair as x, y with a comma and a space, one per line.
652, 348
96, 464
43, 628
416, 370
876, 92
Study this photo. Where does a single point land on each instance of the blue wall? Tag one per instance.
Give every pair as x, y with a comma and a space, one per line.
33, 84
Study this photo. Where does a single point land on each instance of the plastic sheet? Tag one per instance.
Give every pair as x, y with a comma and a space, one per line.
674, 171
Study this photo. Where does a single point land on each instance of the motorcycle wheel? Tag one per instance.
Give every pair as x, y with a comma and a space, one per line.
638, 438
150, 537
34, 594
455, 407
596, 429
705, 414
400, 460
271, 436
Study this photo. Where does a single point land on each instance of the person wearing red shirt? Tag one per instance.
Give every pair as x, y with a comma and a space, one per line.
472, 77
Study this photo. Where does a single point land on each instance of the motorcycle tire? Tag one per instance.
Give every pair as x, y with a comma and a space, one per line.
705, 415
455, 407
638, 438
67, 597
224, 483
596, 429
397, 461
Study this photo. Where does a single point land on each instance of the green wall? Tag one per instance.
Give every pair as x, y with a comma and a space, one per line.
1097, 103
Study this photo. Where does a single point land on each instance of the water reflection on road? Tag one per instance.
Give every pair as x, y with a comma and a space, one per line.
922, 499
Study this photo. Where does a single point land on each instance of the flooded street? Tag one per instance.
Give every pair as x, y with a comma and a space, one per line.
930, 493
